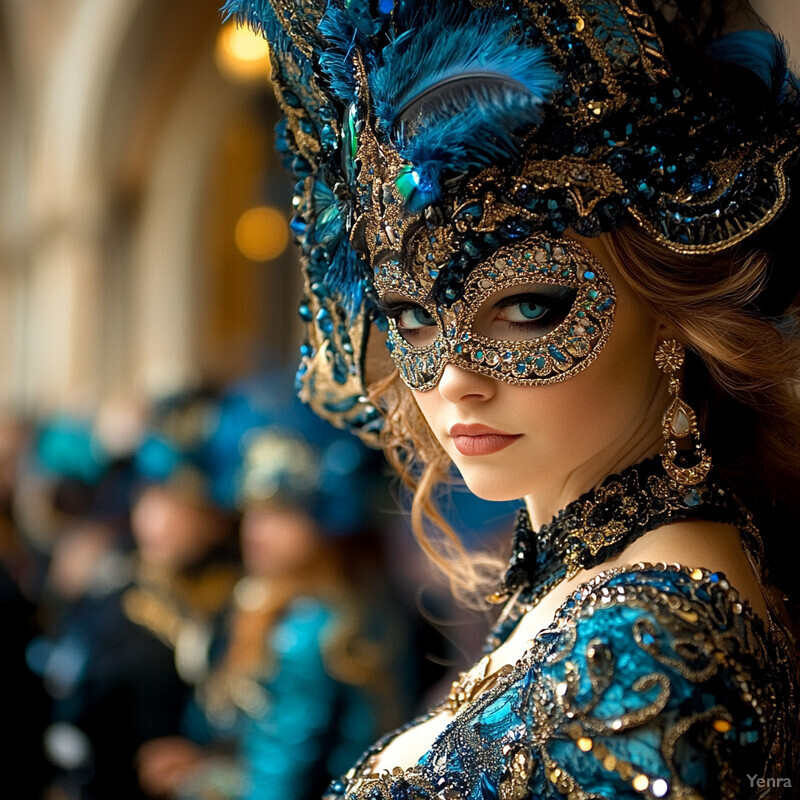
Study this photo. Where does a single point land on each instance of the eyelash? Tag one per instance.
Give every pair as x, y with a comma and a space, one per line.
551, 301
394, 310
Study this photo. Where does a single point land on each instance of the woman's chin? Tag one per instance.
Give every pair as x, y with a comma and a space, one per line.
492, 486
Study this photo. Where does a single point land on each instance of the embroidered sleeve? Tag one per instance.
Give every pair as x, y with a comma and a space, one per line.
651, 683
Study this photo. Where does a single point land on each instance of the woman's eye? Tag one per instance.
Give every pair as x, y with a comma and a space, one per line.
414, 323
526, 315
526, 311
414, 318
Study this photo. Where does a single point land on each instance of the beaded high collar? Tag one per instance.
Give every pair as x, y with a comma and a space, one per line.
601, 523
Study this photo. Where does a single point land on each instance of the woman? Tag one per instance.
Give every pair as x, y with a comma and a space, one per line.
574, 219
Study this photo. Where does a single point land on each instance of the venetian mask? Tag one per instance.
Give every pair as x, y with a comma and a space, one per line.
534, 313
452, 138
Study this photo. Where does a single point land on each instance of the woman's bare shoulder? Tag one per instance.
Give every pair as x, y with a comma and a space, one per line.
699, 544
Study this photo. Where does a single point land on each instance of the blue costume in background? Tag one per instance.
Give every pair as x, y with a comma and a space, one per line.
297, 691
305, 710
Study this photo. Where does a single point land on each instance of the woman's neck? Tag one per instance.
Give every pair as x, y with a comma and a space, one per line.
557, 491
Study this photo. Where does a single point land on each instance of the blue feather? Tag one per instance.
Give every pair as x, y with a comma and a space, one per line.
763, 54
453, 93
345, 277
335, 59
254, 13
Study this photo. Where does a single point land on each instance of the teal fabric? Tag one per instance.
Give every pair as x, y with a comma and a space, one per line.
313, 725
303, 725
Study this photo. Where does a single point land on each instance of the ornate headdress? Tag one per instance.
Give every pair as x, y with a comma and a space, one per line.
456, 142
187, 449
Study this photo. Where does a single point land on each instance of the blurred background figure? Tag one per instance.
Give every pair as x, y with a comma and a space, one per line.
134, 628
308, 676
22, 695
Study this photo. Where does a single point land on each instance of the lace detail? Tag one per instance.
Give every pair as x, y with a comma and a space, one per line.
601, 523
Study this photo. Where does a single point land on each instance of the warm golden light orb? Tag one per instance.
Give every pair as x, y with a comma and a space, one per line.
262, 233
241, 54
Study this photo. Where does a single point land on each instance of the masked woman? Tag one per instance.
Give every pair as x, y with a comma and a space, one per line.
573, 219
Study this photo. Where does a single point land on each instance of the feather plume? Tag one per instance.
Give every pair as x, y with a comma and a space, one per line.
452, 94
256, 14
764, 54
335, 59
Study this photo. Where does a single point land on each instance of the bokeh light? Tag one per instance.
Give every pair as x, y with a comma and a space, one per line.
241, 54
262, 233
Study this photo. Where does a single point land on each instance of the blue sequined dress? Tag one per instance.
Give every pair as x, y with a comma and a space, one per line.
652, 681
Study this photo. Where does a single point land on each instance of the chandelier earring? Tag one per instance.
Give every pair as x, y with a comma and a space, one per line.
685, 458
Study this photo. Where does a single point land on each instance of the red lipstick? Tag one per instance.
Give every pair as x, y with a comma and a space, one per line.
480, 440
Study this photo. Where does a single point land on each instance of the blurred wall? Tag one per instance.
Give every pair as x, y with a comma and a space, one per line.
118, 268
783, 16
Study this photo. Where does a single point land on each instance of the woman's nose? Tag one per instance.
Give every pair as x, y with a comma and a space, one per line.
458, 384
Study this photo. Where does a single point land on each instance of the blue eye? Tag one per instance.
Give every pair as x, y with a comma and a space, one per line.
521, 312
414, 318
526, 315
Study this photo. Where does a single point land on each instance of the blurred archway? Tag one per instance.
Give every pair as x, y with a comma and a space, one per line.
126, 164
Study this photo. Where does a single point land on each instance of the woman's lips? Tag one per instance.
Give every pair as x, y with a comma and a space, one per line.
480, 440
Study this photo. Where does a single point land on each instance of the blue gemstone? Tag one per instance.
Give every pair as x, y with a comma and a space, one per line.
648, 638
692, 498
325, 321
701, 183
328, 137
291, 99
